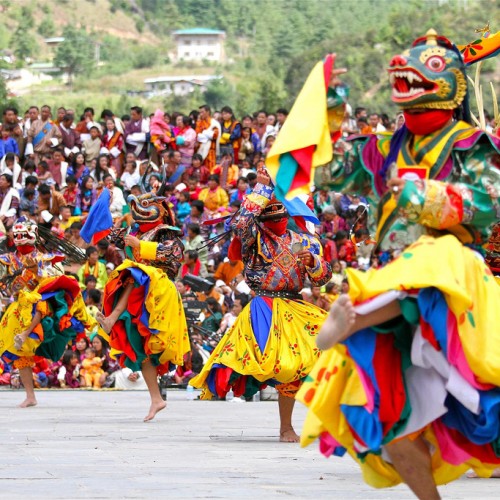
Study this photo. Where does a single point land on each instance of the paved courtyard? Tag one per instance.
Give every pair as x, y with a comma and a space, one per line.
84, 444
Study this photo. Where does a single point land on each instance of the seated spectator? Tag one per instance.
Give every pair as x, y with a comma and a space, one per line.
213, 315
183, 206
9, 201
28, 202
71, 194
118, 202
93, 268
9, 165
50, 200
66, 219
108, 253
109, 364
198, 170
81, 344
130, 176
68, 374
93, 302
214, 197
198, 215
75, 237
78, 169
318, 299
90, 284
346, 250
44, 175
88, 195
227, 271
240, 301
227, 171
193, 188
331, 224
195, 241
7, 143
192, 265
92, 369
242, 190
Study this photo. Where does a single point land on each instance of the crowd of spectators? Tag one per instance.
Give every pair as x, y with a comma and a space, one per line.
53, 168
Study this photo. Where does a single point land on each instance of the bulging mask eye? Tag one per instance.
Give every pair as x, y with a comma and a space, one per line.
435, 63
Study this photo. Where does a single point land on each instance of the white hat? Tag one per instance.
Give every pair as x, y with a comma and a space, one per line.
181, 187
110, 266
220, 283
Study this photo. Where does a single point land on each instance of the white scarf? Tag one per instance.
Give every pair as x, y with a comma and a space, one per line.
5, 209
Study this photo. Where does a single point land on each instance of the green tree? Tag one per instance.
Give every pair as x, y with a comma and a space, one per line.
47, 27
23, 43
219, 92
75, 54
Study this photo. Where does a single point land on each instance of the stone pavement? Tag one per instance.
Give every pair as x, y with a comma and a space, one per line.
83, 444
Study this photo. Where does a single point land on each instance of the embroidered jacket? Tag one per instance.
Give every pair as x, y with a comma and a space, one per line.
269, 259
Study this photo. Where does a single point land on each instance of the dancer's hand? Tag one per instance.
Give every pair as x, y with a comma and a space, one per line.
132, 241
263, 177
396, 185
306, 258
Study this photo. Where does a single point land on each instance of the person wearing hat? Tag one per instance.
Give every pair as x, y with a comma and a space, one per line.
272, 340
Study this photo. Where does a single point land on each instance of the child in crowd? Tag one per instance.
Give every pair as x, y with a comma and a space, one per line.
161, 133
69, 372
71, 194
130, 176
7, 143
44, 175
92, 366
193, 187
93, 301
92, 146
183, 206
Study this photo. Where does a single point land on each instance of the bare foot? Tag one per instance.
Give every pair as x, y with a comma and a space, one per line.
289, 436
28, 402
106, 323
337, 326
20, 339
154, 409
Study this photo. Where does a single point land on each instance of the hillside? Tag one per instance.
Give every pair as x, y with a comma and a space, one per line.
271, 44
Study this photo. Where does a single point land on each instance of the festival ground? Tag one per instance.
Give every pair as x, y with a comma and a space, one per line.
83, 444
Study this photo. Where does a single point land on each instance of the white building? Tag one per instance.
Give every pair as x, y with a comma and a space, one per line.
199, 44
177, 85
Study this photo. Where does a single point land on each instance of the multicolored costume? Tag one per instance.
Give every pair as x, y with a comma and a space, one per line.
272, 341
153, 326
435, 370
41, 288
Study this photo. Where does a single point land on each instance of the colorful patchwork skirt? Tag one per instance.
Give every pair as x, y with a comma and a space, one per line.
433, 372
63, 313
271, 343
153, 327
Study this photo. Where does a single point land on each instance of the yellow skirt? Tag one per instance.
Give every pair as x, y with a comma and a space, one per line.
154, 325
365, 392
63, 316
271, 343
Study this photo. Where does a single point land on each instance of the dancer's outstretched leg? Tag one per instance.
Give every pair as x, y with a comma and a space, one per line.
412, 460
151, 378
287, 432
342, 321
26, 375
107, 322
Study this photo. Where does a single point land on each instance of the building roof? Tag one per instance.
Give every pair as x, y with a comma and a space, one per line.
199, 31
55, 39
186, 78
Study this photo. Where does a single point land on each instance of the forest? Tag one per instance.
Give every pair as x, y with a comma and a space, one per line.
271, 44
